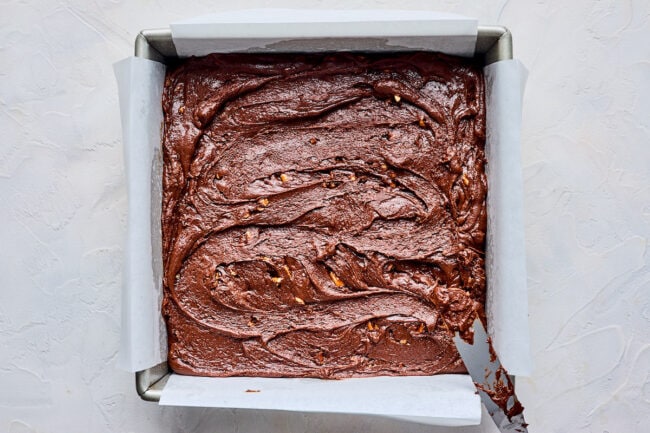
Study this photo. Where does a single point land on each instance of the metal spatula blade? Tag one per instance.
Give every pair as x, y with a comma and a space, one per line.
494, 385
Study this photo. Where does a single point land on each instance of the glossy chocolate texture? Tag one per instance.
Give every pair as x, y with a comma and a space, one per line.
323, 215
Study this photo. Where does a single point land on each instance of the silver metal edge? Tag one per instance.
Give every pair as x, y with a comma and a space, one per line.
493, 43
149, 383
155, 44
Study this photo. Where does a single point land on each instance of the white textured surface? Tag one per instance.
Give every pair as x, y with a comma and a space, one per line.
586, 150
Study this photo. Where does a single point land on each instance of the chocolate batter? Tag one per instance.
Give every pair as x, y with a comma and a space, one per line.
323, 215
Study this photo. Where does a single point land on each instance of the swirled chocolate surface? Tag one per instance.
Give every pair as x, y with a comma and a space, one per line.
323, 215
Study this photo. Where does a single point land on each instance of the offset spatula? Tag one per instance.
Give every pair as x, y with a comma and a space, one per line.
495, 387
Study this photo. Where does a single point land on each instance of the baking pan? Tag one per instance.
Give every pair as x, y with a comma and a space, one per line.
493, 43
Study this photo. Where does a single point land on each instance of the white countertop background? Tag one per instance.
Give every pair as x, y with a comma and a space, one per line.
586, 150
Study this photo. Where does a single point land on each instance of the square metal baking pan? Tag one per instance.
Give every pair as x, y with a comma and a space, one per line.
493, 43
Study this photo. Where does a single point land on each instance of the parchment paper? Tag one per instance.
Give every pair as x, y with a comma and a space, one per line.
507, 295
325, 30
143, 337
143, 333
441, 400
